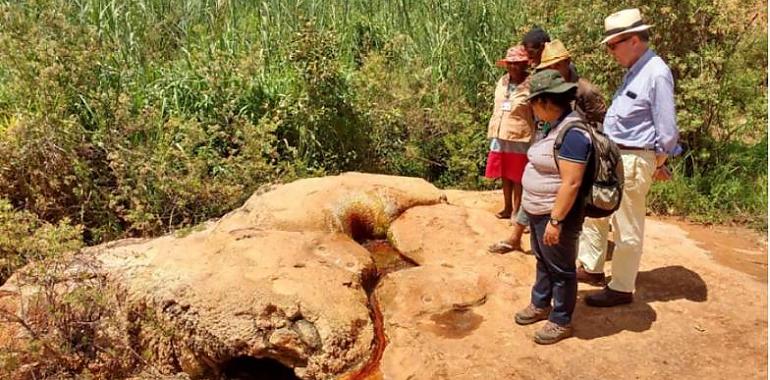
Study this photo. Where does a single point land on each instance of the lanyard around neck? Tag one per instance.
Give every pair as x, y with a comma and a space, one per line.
511, 88
547, 127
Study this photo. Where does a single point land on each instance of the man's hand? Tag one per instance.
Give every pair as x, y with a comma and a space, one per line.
662, 174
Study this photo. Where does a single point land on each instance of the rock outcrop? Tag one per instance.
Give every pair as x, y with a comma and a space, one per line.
279, 278
290, 282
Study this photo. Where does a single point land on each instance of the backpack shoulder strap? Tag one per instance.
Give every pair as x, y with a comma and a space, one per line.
557, 143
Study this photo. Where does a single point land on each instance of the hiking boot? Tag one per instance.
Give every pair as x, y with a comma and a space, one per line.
532, 314
552, 333
608, 297
595, 279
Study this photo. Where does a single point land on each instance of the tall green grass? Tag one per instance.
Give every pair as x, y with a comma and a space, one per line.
135, 117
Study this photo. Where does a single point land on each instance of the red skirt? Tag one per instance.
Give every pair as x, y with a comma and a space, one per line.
506, 165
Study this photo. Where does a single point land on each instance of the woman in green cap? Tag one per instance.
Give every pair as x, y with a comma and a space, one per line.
550, 199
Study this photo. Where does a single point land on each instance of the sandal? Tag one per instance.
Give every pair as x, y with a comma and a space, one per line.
502, 247
503, 215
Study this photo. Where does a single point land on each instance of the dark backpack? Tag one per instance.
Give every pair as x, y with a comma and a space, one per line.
602, 187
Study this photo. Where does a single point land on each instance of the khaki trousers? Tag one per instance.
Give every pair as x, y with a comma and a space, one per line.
627, 225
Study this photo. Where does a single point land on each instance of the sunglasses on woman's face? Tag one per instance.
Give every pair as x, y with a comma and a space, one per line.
613, 45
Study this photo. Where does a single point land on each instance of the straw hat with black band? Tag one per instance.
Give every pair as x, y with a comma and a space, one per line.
623, 22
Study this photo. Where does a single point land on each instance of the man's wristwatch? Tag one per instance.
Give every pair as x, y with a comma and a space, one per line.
554, 222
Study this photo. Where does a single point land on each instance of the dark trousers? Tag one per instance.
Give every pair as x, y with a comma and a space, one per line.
556, 279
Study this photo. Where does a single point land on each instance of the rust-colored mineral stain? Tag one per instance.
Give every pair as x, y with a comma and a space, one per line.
371, 370
455, 324
386, 260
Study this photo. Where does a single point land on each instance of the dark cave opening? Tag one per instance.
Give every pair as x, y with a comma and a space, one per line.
250, 368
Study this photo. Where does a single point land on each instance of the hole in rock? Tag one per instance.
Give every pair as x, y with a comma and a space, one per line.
360, 227
249, 368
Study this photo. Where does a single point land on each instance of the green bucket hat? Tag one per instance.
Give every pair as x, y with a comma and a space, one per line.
548, 81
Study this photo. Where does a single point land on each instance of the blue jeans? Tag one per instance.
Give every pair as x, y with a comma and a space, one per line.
556, 278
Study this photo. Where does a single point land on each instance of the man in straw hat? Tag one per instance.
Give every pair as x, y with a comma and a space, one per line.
588, 100
642, 121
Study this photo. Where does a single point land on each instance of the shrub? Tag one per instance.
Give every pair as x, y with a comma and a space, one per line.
317, 119
73, 325
24, 238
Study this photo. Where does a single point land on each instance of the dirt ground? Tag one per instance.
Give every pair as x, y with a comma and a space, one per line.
734, 247
700, 311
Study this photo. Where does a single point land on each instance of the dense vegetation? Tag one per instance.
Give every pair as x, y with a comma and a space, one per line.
130, 118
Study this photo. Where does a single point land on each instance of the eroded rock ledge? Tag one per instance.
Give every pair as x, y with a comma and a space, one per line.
279, 278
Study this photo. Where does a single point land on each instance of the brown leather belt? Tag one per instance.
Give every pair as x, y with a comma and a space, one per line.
624, 147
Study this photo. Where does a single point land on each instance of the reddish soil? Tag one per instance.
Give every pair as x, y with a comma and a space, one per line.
738, 248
